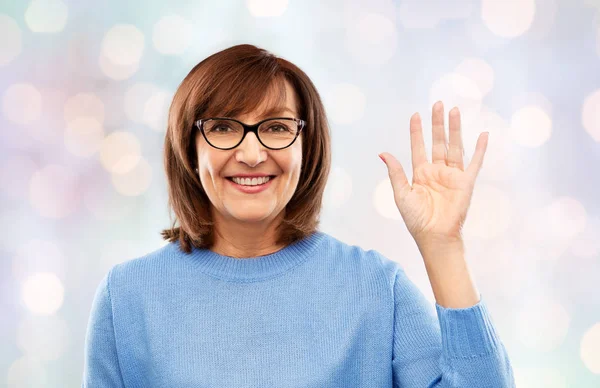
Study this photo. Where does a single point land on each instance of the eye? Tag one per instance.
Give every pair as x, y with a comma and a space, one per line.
278, 128
217, 128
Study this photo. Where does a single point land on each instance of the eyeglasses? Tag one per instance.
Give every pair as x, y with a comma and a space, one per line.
274, 133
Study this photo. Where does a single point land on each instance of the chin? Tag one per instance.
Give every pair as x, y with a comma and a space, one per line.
251, 214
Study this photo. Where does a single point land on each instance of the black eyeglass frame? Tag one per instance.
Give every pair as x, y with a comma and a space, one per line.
250, 128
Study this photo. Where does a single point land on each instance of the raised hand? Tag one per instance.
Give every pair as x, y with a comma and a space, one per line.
434, 207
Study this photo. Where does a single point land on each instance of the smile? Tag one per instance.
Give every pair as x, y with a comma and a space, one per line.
252, 189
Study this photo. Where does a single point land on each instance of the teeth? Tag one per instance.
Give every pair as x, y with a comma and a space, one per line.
251, 182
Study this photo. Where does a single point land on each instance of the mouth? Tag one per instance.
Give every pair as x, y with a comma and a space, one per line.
252, 189
271, 177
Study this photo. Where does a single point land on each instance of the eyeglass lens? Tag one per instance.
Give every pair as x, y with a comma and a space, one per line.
276, 133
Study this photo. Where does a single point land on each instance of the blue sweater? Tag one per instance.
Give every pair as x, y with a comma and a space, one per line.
318, 313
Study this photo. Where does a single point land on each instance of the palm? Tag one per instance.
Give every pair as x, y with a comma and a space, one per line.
436, 204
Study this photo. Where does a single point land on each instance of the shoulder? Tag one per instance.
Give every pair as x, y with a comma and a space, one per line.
367, 261
145, 268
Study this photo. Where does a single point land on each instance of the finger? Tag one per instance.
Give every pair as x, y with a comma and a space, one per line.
400, 184
438, 151
419, 155
477, 162
455, 147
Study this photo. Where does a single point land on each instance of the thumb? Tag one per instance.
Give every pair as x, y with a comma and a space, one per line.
396, 173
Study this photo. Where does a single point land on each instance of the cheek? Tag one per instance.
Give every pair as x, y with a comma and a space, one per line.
290, 164
295, 155
210, 166
297, 160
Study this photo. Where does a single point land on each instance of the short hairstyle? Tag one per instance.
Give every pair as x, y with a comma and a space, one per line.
232, 82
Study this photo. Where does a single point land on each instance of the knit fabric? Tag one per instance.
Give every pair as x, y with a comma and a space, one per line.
317, 313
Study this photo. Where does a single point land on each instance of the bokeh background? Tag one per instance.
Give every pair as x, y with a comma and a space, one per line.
85, 87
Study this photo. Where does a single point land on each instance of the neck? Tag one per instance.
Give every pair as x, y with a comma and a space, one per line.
242, 239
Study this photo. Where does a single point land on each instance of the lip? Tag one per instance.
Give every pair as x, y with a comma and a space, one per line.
255, 175
251, 189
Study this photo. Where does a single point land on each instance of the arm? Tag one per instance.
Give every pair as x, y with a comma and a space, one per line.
101, 363
459, 348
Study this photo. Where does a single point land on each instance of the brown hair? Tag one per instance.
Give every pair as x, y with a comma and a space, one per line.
232, 82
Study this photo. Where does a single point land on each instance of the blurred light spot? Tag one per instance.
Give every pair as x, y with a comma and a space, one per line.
83, 136
104, 203
489, 214
427, 14
156, 110
117, 72
84, 105
11, 42
122, 49
371, 38
22, 103
45, 337
53, 192
172, 35
339, 188
38, 256
590, 115
346, 103
453, 90
566, 217
46, 15
15, 173
136, 100
528, 98
27, 372
552, 229
383, 200
43, 293
508, 19
542, 324
530, 126
590, 349
134, 182
267, 8
536, 377
587, 243
120, 152
123, 45
479, 71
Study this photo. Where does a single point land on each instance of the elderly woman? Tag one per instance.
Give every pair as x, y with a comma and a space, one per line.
249, 293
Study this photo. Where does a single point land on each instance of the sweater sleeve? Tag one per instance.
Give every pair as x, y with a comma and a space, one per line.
458, 349
101, 363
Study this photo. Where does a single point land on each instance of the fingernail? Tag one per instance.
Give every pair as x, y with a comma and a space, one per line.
381, 157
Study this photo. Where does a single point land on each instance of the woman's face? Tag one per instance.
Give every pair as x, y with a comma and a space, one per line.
250, 157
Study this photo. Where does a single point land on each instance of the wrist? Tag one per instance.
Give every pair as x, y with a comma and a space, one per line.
441, 246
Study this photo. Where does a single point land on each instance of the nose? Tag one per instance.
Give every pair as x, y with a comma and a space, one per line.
251, 151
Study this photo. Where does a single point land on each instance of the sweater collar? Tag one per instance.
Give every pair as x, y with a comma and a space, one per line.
250, 269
